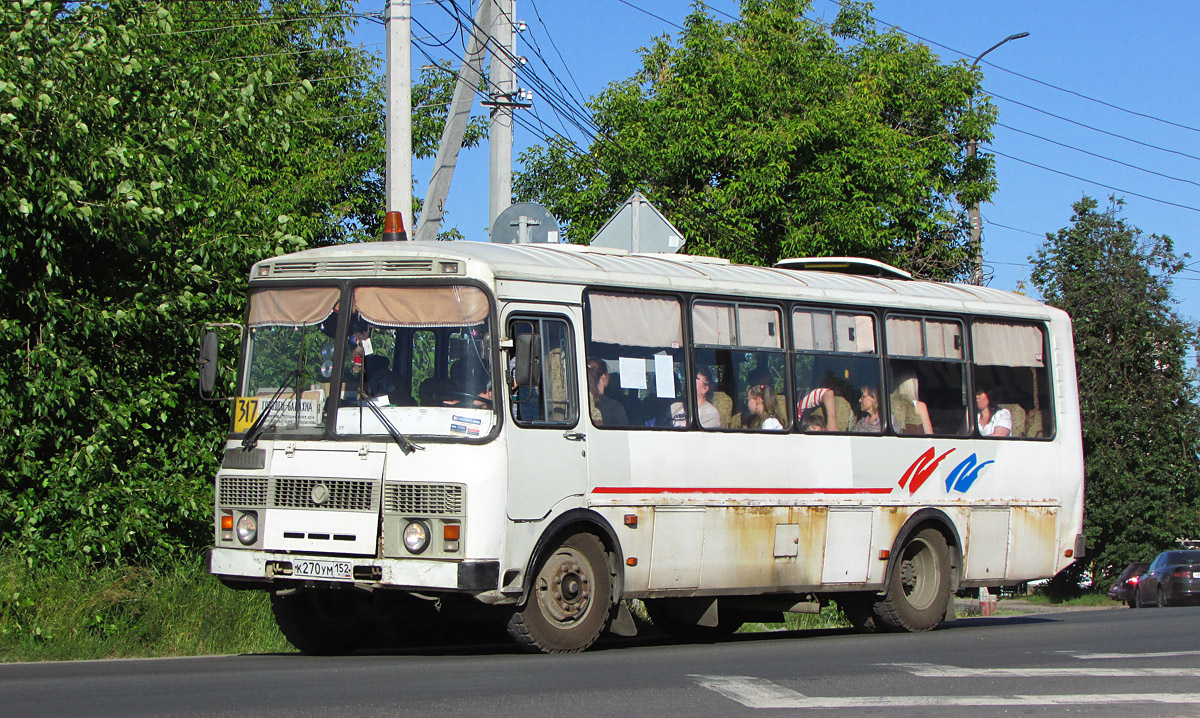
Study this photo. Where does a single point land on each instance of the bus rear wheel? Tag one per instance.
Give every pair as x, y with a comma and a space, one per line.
570, 600
918, 590
319, 622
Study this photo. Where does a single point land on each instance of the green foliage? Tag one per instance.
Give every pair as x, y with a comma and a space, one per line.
1138, 399
70, 611
776, 136
150, 152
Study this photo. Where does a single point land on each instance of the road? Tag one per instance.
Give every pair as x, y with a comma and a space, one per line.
1106, 663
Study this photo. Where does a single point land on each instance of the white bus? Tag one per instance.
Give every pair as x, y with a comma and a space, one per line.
535, 433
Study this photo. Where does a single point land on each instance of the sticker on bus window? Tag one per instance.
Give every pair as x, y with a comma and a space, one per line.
245, 411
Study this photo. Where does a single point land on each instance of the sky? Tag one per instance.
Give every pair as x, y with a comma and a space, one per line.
1100, 99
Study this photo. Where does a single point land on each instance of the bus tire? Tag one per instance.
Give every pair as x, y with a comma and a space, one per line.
659, 610
320, 623
918, 589
570, 600
859, 610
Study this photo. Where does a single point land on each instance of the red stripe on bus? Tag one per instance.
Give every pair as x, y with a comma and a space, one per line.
693, 490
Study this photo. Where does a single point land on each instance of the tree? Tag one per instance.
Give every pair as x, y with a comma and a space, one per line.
778, 136
150, 152
1138, 399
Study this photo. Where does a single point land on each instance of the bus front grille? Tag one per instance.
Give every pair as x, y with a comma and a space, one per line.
423, 499
247, 491
333, 494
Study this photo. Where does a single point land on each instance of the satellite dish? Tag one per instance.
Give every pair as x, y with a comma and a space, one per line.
525, 223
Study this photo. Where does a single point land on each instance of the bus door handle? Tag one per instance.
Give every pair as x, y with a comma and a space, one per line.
574, 436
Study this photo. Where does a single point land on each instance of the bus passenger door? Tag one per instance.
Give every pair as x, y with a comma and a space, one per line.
546, 438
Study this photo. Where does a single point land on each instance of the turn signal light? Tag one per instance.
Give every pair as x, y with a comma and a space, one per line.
450, 532
226, 522
631, 520
885, 554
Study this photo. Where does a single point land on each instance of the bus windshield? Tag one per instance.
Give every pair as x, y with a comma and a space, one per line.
288, 355
418, 358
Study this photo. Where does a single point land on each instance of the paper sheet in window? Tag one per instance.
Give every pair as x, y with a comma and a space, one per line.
633, 372
664, 376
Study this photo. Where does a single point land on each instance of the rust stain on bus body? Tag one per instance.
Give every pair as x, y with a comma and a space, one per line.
740, 541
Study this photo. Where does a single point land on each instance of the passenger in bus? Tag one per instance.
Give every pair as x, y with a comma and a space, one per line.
605, 410
472, 385
813, 423
917, 420
821, 397
868, 401
764, 409
706, 411
993, 421
378, 381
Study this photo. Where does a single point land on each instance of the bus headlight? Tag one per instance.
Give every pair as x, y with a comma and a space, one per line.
247, 528
416, 536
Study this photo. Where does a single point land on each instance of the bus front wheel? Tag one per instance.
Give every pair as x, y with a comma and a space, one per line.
919, 587
570, 600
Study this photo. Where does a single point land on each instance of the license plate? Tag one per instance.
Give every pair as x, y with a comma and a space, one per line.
339, 570
1195, 574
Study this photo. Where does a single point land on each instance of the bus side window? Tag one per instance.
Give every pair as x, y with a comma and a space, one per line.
927, 378
1012, 382
541, 373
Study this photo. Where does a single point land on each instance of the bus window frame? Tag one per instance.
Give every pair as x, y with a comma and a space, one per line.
493, 350
785, 341
1051, 380
683, 300
964, 361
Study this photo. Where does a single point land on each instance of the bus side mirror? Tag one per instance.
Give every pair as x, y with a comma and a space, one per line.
208, 364
528, 368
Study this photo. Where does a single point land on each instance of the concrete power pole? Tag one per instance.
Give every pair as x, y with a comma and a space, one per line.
469, 76
500, 129
398, 161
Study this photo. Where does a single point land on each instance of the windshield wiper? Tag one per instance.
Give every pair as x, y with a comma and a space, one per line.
401, 440
260, 424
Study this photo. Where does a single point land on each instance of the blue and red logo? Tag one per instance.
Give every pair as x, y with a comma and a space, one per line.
960, 479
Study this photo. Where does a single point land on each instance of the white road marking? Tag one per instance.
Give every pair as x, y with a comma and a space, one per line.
761, 693
930, 670
1112, 656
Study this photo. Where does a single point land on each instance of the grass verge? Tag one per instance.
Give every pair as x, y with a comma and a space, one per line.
69, 612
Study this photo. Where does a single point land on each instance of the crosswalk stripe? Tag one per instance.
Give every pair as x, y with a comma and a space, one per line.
930, 670
760, 693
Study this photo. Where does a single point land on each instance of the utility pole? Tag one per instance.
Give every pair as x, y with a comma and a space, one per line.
465, 85
973, 210
398, 161
500, 129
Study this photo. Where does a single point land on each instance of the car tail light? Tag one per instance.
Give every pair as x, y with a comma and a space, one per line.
1132, 580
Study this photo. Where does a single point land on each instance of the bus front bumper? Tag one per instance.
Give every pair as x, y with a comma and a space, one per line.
261, 569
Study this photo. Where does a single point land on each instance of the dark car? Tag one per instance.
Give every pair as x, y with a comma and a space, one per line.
1172, 579
1123, 589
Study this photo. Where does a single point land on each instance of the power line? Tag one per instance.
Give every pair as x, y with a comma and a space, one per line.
1090, 181
1098, 156
1034, 79
1094, 129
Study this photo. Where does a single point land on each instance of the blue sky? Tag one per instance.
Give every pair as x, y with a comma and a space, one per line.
1058, 138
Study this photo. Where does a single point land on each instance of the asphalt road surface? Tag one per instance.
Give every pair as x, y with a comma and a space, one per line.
1106, 663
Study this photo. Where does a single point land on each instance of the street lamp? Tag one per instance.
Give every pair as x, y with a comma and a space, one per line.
973, 210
